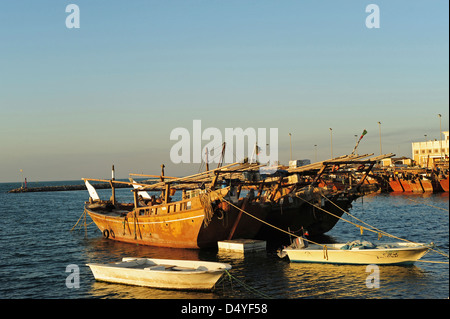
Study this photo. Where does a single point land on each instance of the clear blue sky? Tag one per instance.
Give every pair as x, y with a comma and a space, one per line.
75, 101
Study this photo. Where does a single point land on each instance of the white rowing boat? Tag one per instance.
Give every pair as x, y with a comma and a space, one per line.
161, 273
383, 254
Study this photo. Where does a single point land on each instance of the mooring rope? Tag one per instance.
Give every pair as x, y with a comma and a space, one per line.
82, 215
372, 229
432, 261
249, 288
84, 212
361, 221
444, 209
324, 246
273, 226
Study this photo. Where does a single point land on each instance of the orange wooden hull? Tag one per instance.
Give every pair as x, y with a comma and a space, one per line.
170, 226
396, 186
415, 186
336, 186
444, 184
406, 186
426, 185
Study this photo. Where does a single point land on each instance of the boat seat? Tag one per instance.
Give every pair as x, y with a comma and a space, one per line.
179, 268
156, 267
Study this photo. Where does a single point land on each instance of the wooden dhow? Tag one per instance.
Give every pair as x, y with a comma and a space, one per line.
315, 196
201, 218
234, 201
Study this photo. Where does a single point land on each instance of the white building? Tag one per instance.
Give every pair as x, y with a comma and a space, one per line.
429, 153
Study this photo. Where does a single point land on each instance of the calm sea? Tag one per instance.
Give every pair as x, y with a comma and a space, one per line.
37, 246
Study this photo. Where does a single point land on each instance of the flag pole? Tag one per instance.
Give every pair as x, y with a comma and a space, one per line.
357, 143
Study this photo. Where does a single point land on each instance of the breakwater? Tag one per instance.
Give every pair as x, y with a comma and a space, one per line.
64, 188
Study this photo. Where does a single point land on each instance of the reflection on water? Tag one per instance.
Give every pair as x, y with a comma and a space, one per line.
101, 250
116, 291
37, 246
263, 274
349, 281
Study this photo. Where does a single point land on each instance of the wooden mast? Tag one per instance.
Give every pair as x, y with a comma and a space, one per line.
113, 190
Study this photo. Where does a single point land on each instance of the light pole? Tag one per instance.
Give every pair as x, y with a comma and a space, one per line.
356, 142
315, 153
290, 143
440, 135
331, 141
379, 125
21, 173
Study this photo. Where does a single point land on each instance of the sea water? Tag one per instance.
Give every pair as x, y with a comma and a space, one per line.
41, 258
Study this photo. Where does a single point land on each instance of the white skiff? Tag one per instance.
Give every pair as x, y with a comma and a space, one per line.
388, 253
161, 273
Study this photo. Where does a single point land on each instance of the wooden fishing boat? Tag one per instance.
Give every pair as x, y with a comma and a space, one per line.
444, 184
211, 209
427, 185
161, 273
383, 254
406, 186
395, 185
318, 205
306, 208
415, 186
200, 219
195, 222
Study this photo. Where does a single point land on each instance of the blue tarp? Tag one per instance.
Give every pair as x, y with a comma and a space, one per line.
359, 244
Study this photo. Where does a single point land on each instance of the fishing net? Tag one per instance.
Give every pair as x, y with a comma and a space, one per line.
205, 201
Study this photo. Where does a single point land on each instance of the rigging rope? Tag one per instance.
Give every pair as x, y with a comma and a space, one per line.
205, 201
372, 229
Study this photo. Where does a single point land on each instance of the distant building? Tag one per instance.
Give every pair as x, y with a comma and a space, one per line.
298, 163
397, 162
429, 153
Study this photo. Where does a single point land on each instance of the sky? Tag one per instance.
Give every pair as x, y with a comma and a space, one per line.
74, 101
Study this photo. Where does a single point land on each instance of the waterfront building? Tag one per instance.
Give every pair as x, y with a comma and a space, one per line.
431, 153
397, 162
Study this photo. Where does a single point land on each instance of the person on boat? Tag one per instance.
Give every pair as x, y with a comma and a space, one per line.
299, 243
302, 241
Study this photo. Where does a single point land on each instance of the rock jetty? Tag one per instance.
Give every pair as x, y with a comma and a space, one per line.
64, 188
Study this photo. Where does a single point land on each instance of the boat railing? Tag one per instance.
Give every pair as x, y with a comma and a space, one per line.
164, 208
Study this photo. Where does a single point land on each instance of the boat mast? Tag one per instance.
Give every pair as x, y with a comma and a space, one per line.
111, 182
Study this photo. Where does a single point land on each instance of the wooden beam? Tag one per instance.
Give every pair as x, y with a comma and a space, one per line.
153, 176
